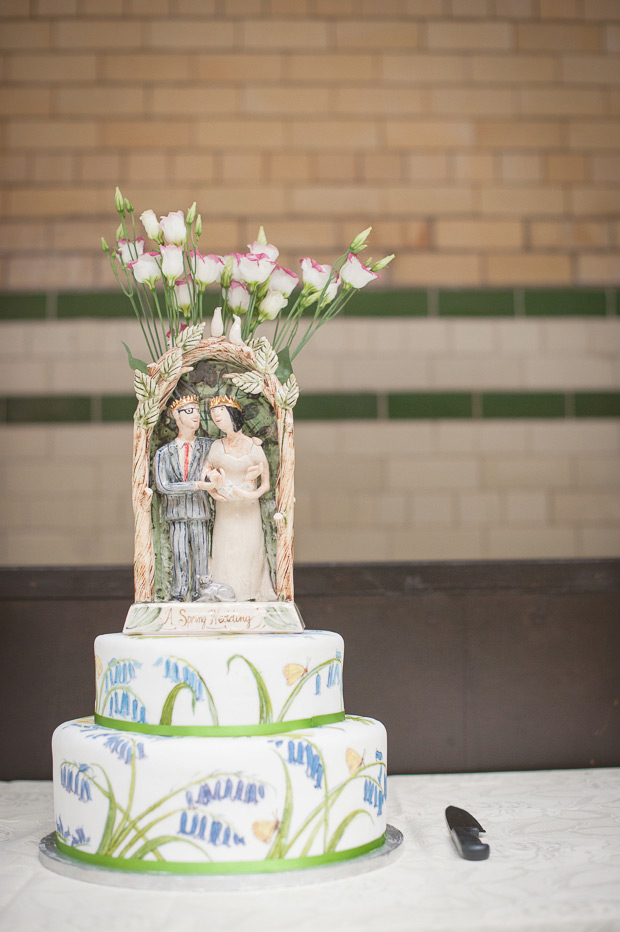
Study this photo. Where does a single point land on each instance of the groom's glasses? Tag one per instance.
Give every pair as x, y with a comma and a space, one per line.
190, 409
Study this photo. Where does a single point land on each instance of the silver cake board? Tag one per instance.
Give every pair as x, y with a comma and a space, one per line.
53, 859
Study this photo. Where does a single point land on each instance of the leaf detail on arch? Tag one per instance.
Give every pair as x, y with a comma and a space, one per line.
171, 366
287, 394
250, 382
144, 386
147, 413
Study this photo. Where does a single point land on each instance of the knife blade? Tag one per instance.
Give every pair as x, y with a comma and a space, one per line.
465, 832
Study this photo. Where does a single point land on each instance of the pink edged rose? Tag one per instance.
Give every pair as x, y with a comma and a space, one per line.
151, 225
314, 274
355, 274
129, 251
238, 297
255, 268
266, 249
271, 305
283, 280
207, 269
184, 298
173, 227
172, 262
146, 269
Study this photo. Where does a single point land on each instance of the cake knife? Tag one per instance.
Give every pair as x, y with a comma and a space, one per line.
465, 831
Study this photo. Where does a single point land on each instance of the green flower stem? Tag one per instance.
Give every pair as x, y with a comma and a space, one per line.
312, 329
161, 320
132, 789
301, 683
134, 822
142, 833
333, 796
210, 701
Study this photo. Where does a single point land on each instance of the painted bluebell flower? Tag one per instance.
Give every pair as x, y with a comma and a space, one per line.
124, 705
373, 795
302, 753
317, 687
124, 748
79, 838
75, 779
178, 672
73, 838
334, 676
239, 791
382, 777
212, 831
120, 673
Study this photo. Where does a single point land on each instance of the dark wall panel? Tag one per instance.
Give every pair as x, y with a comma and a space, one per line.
471, 666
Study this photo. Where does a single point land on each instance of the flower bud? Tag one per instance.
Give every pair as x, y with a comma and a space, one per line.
128, 205
104, 245
191, 214
261, 238
227, 274
119, 201
198, 226
381, 264
359, 241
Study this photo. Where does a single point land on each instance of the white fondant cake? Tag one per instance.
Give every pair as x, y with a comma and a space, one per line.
211, 758
269, 682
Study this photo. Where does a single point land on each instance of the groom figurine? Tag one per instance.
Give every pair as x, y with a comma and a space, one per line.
179, 469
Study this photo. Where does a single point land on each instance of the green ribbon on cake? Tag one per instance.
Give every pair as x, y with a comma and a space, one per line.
220, 731
209, 867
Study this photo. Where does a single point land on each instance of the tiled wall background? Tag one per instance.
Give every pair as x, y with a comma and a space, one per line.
479, 137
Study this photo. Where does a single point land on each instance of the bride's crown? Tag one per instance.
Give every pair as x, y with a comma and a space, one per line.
224, 400
184, 400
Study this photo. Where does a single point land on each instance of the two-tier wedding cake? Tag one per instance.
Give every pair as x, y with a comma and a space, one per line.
219, 741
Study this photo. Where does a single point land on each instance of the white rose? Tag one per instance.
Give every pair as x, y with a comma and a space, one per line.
207, 269
184, 298
172, 262
283, 280
146, 269
255, 269
130, 251
355, 274
314, 274
266, 249
150, 224
238, 297
271, 305
173, 227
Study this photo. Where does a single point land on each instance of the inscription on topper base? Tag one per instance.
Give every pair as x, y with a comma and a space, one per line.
178, 618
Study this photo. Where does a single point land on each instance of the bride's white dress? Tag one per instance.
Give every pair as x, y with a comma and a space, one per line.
238, 551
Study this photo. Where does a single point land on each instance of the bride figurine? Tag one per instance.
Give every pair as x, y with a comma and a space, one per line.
238, 557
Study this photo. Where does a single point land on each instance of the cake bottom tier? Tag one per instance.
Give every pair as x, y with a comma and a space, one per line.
219, 805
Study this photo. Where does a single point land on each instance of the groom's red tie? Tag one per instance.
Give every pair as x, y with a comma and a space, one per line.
186, 462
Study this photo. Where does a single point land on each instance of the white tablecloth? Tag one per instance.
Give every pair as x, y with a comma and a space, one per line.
554, 865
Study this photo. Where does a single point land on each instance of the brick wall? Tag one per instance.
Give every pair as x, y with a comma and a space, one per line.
480, 137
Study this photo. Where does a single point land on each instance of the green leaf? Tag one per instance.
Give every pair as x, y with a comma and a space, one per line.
278, 847
285, 366
135, 363
343, 825
168, 707
264, 701
108, 828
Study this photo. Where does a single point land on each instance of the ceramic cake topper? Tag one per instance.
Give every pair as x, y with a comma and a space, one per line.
213, 457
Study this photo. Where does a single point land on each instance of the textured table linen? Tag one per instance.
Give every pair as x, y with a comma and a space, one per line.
554, 865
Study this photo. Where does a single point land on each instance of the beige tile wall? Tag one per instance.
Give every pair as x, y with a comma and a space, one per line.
366, 490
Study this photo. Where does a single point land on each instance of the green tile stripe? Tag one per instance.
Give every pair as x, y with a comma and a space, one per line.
372, 302
345, 406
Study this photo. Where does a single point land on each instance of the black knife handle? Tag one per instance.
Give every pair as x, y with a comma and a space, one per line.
468, 844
